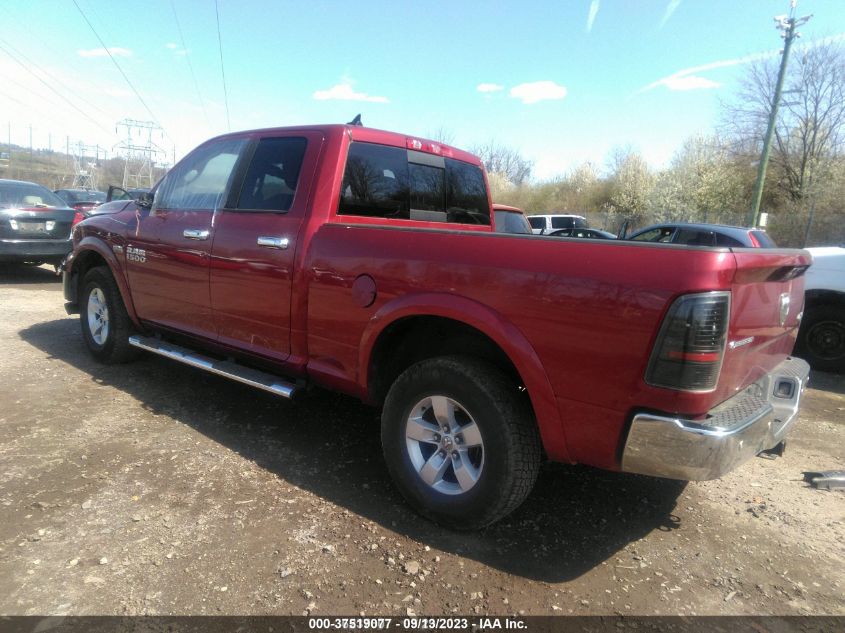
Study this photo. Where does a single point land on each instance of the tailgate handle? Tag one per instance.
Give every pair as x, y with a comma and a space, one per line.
274, 242
196, 234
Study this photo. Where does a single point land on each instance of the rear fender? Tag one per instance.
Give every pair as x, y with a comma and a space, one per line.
492, 324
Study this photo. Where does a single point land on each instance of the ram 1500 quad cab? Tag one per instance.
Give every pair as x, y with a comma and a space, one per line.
366, 262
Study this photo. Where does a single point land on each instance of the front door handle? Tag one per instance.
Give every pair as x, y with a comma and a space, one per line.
196, 234
274, 242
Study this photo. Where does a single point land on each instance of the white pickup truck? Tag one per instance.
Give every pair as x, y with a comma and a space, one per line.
821, 339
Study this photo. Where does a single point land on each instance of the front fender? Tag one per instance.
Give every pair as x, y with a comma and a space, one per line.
495, 326
88, 244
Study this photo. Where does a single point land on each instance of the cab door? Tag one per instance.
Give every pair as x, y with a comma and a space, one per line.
168, 259
255, 241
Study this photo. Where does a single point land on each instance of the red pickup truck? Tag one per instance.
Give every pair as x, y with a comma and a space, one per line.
367, 262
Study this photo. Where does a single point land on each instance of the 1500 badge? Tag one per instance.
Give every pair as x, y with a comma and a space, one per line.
136, 254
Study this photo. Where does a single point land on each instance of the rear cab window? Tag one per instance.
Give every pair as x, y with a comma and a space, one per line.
383, 181
510, 222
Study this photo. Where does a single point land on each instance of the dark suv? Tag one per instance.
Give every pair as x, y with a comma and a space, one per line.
704, 235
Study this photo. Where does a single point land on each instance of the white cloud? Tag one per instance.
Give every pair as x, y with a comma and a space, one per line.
686, 78
591, 16
116, 51
538, 91
171, 46
670, 9
344, 92
489, 88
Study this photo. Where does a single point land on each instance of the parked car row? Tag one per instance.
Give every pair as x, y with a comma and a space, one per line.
821, 337
36, 223
568, 225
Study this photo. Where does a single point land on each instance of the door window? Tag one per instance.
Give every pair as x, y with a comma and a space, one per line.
537, 223
659, 234
270, 181
200, 180
693, 237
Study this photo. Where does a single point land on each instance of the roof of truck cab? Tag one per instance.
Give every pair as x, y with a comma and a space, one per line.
365, 135
505, 207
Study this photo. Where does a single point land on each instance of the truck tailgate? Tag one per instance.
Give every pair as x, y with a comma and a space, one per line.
767, 299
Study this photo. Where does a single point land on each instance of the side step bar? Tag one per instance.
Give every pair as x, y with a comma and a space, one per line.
229, 369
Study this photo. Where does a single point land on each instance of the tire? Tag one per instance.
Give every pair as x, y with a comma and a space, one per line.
101, 305
492, 432
821, 339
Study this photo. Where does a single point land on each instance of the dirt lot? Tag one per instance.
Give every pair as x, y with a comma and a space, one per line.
153, 488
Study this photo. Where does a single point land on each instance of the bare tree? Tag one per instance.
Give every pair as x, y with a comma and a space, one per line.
442, 135
506, 161
810, 131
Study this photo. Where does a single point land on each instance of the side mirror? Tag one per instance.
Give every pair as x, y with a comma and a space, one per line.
145, 200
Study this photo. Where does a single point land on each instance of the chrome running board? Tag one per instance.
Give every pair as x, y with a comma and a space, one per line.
227, 368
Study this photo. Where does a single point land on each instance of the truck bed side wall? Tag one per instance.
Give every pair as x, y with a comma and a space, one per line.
590, 312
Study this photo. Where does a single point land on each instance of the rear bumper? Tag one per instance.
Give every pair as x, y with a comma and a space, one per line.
28, 250
752, 421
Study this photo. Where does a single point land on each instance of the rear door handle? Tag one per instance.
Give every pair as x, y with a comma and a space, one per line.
274, 242
196, 234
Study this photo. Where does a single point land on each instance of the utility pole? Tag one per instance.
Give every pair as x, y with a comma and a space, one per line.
787, 24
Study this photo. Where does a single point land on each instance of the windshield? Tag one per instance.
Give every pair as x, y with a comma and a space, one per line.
25, 194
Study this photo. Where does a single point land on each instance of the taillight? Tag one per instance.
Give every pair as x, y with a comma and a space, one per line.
428, 147
691, 344
754, 241
77, 218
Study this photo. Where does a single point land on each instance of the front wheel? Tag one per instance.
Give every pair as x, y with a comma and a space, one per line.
460, 441
821, 338
106, 326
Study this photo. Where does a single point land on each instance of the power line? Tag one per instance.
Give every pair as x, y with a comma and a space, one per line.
52, 89
120, 70
222, 70
188, 59
77, 96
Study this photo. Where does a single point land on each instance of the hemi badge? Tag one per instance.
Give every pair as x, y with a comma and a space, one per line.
117, 249
740, 343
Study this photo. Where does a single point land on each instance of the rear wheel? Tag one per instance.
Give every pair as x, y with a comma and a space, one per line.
821, 339
460, 441
106, 326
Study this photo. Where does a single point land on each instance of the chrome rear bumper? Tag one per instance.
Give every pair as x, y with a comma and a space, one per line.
752, 421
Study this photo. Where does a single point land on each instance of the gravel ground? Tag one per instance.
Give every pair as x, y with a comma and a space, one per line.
153, 488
